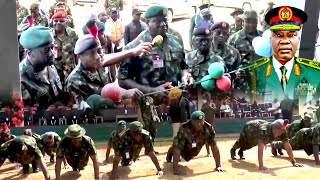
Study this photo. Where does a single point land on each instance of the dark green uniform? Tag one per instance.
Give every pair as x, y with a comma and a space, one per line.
77, 158
43, 143
294, 127
22, 12
4, 138
233, 29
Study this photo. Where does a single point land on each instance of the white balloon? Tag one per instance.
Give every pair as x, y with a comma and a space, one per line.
262, 47
267, 34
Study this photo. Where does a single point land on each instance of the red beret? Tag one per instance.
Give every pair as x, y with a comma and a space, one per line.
60, 14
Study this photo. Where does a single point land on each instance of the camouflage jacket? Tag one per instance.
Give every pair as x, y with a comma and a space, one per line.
4, 138
198, 65
293, 128
40, 21
43, 88
42, 144
128, 146
33, 152
230, 56
148, 69
186, 137
76, 157
22, 12
53, 9
115, 138
243, 44
65, 59
233, 29
109, 4
82, 82
259, 131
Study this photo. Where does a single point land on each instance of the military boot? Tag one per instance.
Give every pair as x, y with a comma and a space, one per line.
233, 153
280, 152
52, 159
35, 167
240, 153
273, 150
25, 168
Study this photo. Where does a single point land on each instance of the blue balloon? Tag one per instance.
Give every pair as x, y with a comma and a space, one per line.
262, 47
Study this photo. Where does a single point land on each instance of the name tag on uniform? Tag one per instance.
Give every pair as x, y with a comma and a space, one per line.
127, 155
194, 145
147, 103
157, 62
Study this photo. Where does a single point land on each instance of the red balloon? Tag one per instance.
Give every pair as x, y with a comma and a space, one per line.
112, 92
223, 83
16, 121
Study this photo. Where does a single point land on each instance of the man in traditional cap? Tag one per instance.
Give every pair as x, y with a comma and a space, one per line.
238, 21
190, 139
195, 19
151, 72
21, 11
263, 13
89, 77
261, 133
292, 129
5, 134
40, 82
64, 40
229, 54
76, 147
307, 139
114, 139
242, 40
283, 73
38, 19
134, 28
130, 145
23, 150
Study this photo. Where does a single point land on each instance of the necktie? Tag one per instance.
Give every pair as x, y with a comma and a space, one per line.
283, 77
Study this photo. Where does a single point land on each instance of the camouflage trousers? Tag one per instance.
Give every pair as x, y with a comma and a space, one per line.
242, 143
185, 154
150, 125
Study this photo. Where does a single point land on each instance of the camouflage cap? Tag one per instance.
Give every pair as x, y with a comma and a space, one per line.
154, 11
237, 12
197, 115
250, 14
34, 6
74, 131
121, 122
135, 125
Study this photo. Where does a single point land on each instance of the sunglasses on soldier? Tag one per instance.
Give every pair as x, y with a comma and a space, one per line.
59, 20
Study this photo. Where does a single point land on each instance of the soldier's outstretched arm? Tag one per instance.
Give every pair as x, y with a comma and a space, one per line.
107, 153
216, 156
260, 156
288, 148
176, 158
58, 168
316, 153
44, 168
116, 161
95, 166
155, 161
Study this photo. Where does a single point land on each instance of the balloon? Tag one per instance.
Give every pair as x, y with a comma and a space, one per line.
216, 70
262, 47
223, 83
267, 34
93, 100
206, 83
112, 92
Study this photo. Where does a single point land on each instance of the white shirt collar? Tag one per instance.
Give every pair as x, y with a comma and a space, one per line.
277, 65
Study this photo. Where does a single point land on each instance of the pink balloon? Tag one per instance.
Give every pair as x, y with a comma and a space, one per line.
223, 83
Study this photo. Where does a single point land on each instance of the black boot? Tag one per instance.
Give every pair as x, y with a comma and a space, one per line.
74, 169
25, 168
233, 153
126, 162
280, 152
273, 150
52, 159
35, 167
240, 153
169, 155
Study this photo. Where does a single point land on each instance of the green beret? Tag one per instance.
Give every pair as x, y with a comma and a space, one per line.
250, 15
93, 100
35, 37
198, 115
154, 11
84, 43
201, 32
105, 103
101, 27
122, 122
135, 125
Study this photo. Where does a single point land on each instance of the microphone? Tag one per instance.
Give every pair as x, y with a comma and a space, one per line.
157, 41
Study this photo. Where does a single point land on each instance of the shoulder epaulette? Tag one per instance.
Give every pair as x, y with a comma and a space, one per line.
308, 62
145, 132
260, 62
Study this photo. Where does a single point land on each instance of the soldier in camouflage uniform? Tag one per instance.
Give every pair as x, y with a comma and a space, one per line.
307, 139
191, 137
292, 129
28, 132
130, 145
229, 54
64, 41
39, 20
40, 82
238, 24
5, 134
115, 138
109, 4
195, 19
48, 143
61, 6
76, 147
261, 133
23, 150
21, 12
263, 13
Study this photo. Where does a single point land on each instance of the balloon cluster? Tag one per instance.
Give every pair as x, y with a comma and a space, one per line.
262, 45
111, 91
18, 110
216, 77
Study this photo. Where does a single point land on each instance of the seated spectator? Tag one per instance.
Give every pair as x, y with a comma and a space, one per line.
225, 109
